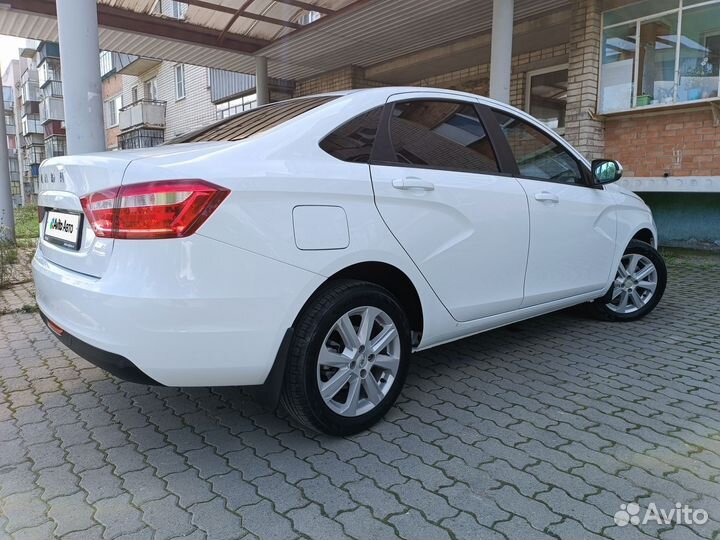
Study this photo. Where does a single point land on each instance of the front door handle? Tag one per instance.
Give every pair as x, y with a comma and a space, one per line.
412, 182
546, 196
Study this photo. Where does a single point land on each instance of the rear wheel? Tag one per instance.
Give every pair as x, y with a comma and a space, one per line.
638, 285
348, 359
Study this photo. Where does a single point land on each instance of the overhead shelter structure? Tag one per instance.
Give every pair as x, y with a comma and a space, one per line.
283, 39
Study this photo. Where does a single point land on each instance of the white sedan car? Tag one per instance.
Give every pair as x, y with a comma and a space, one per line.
307, 247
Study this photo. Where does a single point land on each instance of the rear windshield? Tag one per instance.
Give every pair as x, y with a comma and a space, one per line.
249, 123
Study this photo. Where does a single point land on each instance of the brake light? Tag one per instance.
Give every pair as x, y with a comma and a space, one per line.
164, 209
41, 213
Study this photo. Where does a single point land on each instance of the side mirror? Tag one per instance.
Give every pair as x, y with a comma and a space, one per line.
606, 171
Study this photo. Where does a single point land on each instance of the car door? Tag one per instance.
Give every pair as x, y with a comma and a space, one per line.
440, 190
572, 223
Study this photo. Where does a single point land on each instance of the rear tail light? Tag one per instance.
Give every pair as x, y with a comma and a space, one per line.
41, 213
165, 209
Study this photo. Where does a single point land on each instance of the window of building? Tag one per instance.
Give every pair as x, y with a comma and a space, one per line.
538, 156
308, 17
547, 96
235, 106
353, 141
441, 134
134, 94
179, 81
179, 9
106, 64
113, 111
150, 90
660, 52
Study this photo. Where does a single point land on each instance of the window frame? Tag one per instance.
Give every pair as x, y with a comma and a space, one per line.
330, 133
553, 136
637, 22
543, 71
180, 67
116, 103
383, 153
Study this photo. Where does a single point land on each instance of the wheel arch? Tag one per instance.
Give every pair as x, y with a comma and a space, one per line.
645, 235
391, 278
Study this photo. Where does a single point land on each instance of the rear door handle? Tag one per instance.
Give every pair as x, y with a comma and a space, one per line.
412, 182
546, 196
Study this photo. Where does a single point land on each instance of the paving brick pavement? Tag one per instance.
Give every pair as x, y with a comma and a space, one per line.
539, 430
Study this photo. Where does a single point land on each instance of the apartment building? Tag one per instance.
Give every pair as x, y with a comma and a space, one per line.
12, 74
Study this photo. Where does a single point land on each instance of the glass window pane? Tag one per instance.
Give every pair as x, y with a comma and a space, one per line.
354, 140
548, 97
638, 10
700, 53
656, 61
618, 67
441, 134
537, 155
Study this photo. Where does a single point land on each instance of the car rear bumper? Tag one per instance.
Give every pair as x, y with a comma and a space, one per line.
182, 312
113, 363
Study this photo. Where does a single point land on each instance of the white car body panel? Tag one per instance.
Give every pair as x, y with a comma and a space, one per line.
580, 263
212, 308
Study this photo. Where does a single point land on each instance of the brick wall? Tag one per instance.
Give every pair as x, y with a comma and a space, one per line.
476, 79
111, 87
678, 144
581, 130
345, 78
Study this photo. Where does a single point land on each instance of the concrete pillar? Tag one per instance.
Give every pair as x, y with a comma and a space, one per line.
261, 80
501, 50
582, 129
7, 218
82, 88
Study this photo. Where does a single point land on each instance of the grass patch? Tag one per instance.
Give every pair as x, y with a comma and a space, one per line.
26, 223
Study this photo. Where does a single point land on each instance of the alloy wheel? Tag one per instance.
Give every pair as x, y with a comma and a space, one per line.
634, 285
358, 361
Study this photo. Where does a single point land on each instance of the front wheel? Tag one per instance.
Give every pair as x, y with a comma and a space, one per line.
638, 285
348, 358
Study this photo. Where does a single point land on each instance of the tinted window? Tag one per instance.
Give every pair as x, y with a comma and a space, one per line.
353, 141
249, 123
441, 134
537, 155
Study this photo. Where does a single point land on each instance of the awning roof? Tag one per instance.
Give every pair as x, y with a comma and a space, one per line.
227, 34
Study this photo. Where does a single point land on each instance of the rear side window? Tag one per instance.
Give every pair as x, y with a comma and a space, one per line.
442, 135
538, 156
353, 141
252, 122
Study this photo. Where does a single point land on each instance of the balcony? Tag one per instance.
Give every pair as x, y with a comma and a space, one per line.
30, 91
47, 50
52, 89
55, 146
144, 113
128, 64
31, 126
51, 109
49, 72
33, 156
141, 138
54, 127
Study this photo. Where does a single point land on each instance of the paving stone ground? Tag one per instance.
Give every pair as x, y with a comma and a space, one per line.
539, 430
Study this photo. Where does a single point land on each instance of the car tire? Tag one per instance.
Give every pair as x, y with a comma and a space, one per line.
363, 336
638, 285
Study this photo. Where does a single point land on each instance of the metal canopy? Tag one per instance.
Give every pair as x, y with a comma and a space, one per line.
227, 34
